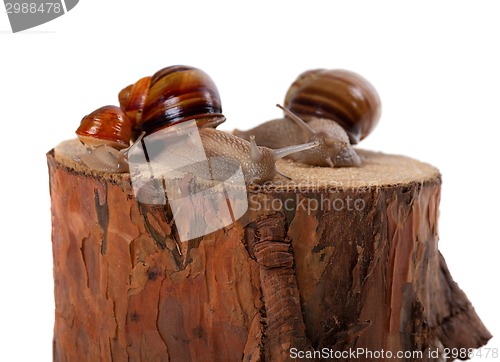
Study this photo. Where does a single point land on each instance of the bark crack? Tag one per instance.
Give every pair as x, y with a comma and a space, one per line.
158, 314
283, 325
101, 206
82, 251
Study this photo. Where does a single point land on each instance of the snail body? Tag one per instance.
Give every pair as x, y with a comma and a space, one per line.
106, 159
207, 153
337, 108
333, 150
258, 163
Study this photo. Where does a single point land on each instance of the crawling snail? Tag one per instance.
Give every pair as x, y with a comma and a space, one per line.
258, 163
172, 96
339, 108
106, 133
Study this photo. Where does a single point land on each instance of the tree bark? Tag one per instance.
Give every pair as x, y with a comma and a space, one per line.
341, 259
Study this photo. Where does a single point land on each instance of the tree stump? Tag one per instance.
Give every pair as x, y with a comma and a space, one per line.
339, 260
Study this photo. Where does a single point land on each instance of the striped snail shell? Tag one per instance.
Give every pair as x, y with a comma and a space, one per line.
339, 95
108, 125
133, 97
172, 95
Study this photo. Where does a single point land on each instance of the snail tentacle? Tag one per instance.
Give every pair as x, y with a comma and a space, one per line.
285, 151
306, 129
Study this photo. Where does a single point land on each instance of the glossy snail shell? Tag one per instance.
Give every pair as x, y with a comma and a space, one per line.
133, 98
339, 95
108, 125
175, 94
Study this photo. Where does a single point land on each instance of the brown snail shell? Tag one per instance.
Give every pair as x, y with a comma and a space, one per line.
339, 95
133, 98
175, 94
108, 125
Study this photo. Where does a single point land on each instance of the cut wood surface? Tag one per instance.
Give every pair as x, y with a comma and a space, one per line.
341, 259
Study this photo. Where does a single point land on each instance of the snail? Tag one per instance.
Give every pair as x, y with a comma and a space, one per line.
106, 133
336, 108
174, 96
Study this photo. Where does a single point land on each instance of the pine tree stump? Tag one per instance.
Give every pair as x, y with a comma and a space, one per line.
342, 259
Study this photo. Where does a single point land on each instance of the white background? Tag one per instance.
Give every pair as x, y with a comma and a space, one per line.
435, 65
